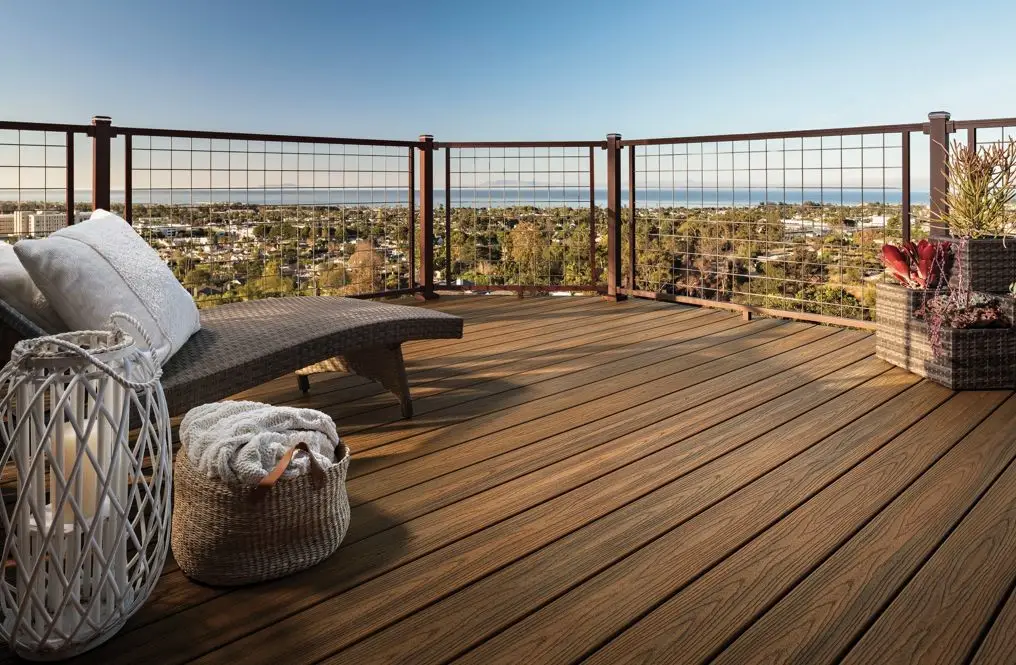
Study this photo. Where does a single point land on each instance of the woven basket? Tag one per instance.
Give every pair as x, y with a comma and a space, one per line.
228, 535
895, 338
987, 265
975, 359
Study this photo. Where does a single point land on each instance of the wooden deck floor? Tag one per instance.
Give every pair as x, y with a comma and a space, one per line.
637, 482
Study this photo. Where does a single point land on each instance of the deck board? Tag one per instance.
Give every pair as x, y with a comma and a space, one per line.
939, 615
636, 481
819, 620
718, 603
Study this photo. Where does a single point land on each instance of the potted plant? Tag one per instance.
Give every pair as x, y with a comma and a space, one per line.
962, 337
959, 338
966, 340
981, 191
919, 271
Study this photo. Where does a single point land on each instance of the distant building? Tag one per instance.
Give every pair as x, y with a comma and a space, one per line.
875, 221
808, 228
166, 230
36, 223
7, 224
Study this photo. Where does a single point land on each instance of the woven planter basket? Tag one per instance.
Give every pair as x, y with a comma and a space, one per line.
987, 265
975, 359
227, 535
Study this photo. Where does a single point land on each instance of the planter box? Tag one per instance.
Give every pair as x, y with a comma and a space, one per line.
975, 359
896, 341
987, 265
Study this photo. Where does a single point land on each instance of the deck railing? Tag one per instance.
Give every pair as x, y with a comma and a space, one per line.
519, 216
242, 216
37, 177
785, 223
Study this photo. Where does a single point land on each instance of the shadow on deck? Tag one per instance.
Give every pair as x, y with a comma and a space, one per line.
637, 481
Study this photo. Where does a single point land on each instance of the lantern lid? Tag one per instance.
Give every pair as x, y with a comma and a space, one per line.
108, 346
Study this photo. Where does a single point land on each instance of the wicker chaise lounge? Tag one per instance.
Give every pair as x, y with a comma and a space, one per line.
243, 345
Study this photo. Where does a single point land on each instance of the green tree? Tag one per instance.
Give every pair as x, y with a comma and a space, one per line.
197, 278
367, 265
333, 278
527, 250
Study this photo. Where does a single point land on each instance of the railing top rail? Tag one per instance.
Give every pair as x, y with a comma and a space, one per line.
45, 127
804, 133
520, 144
243, 136
984, 124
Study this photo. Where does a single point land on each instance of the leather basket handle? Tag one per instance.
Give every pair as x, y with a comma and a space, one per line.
268, 482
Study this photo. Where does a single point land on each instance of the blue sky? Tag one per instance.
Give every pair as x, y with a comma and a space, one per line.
520, 70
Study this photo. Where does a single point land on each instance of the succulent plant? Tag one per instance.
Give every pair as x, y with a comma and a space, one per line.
920, 265
977, 310
981, 191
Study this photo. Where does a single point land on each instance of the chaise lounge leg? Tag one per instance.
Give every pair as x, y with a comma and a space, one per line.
387, 367
303, 382
384, 365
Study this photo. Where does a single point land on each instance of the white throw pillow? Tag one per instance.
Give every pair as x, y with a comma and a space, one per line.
91, 270
19, 291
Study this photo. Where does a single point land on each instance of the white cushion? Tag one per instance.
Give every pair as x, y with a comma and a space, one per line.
91, 270
19, 291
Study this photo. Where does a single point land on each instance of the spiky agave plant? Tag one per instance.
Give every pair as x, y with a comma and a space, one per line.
982, 188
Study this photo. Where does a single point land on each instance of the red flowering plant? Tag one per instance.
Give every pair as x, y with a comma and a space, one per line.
921, 265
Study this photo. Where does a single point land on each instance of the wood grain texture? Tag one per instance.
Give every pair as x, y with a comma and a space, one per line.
440, 527
388, 445
514, 458
702, 480
499, 368
939, 615
382, 600
698, 621
825, 440
602, 361
705, 349
428, 371
635, 481
819, 620
999, 644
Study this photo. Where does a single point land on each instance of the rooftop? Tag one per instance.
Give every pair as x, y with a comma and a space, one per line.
623, 481
628, 478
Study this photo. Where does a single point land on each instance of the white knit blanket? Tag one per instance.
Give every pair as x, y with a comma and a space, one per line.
241, 442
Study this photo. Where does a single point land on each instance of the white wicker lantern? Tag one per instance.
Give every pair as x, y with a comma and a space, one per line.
83, 422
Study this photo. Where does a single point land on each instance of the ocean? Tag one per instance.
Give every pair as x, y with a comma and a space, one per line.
542, 196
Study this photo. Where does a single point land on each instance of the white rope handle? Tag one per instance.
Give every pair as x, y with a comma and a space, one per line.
27, 348
121, 316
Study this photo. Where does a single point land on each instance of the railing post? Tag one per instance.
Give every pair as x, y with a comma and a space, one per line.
614, 217
905, 193
69, 157
593, 276
411, 219
938, 130
448, 216
426, 275
631, 217
102, 134
128, 178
